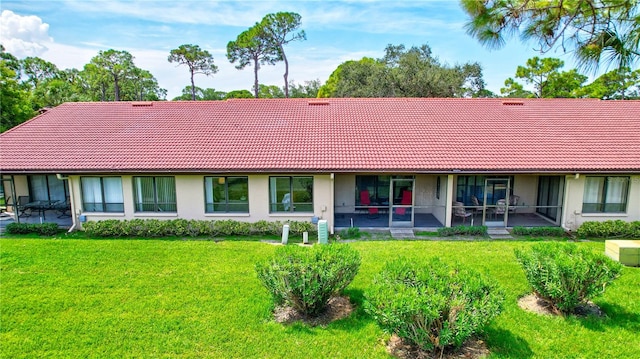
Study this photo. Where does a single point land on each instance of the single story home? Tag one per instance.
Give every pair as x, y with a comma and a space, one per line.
366, 162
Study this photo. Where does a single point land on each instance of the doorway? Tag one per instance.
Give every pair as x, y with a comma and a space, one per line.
495, 209
402, 197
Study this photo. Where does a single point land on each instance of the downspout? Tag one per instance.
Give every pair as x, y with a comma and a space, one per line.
73, 209
332, 202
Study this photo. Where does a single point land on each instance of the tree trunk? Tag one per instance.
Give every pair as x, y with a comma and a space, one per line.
286, 73
256, 86
116, 87
193, 87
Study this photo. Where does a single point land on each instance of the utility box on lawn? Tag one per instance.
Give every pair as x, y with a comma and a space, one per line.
626, 252
323, 232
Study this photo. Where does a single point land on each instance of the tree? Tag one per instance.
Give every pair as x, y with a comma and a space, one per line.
199, 62
15, 106
117, 64
599, 31
271, 91
546, 79
143, 86
364, 78
618, 84
253, 46
208, 94
37, 70
238, 94
281, 28
309, 89
96, 82
515, 90
402, 72
537, 72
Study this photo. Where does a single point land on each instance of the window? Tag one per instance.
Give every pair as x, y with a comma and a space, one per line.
605, 195
226, 194
377, 188
48, 188
291, 194
466, 186
154, 194
102, 194
549, 200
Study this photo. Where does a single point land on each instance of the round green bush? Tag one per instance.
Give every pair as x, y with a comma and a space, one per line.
433, 306
306, 278
566, 275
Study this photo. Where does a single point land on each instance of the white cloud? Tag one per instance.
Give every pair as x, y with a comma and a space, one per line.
24, 36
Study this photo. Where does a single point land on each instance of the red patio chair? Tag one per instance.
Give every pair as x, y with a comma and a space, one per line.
366, 201
406, 200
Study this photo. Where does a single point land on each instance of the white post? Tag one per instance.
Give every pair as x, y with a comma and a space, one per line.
305, 237
285, 234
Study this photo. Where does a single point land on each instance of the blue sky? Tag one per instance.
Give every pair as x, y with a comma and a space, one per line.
69, 33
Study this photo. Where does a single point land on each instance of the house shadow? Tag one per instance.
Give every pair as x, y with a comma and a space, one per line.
507, 344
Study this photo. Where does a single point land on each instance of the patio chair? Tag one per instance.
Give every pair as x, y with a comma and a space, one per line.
21, 206
406, 200
366, 201
500, 209
460, 211
477, 207
63, 208
513, 202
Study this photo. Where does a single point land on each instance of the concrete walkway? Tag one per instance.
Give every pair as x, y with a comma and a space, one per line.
498, 233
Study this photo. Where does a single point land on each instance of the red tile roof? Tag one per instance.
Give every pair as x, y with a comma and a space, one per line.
341, 135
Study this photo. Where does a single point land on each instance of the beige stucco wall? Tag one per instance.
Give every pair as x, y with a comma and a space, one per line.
345, 198
21, 186
573, 216
190, 201
526, 187
426, 200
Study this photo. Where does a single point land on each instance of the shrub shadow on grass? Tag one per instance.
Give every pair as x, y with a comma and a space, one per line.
504, 342
357, 318
616, 317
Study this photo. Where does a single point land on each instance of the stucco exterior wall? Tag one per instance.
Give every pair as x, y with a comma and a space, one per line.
573, 196
190, 201
345, 187
526, 187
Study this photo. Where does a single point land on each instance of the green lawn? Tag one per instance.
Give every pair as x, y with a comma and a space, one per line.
195, 299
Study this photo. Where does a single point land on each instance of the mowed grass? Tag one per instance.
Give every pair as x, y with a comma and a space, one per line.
199, 299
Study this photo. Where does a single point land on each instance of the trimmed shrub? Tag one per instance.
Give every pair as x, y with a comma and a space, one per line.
306, 278
44, 229
351, 232
539, 231
432, 306
297, 228
609, 229
229, 227
151, 228
462, 231
565, 275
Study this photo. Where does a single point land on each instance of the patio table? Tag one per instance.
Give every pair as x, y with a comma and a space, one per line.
40, 206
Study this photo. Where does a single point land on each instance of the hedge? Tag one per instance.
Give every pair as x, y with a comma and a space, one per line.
539, 231
609, 229
462, 231
152, 228
44, 229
